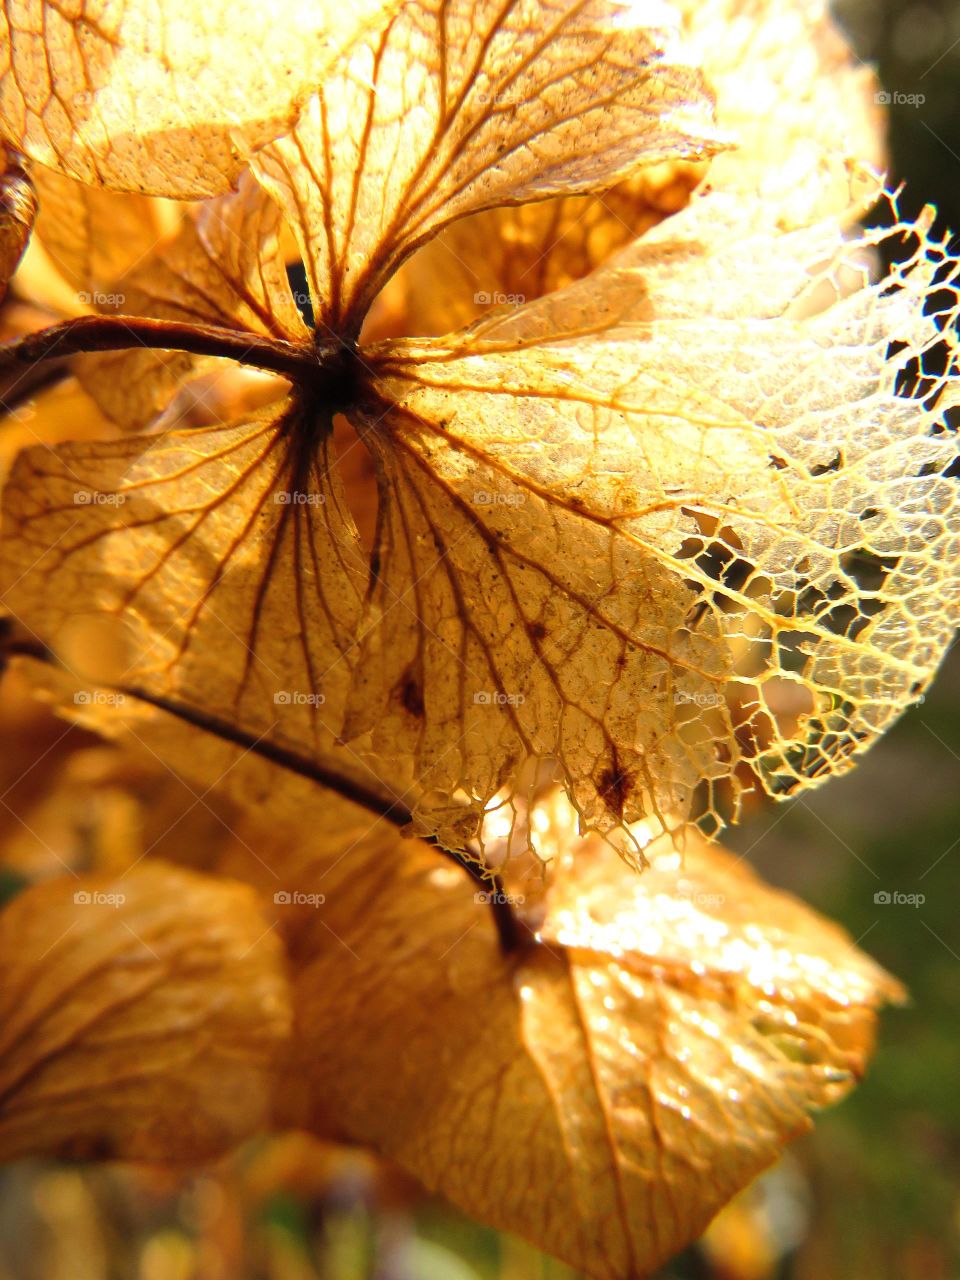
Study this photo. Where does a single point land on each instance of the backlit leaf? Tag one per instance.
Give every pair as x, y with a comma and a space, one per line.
457, 107
619, 546
644, 1063
610, 535
230, 577
225, 268
799, 106
164, 99
143, 1016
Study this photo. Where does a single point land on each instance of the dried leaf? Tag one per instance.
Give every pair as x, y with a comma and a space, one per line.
501, 258
164, 100
224, 267
799, 105
224, 590
457, 107
643, 1063
93, 237
142, 1016
609, 535
18, 207
615, 547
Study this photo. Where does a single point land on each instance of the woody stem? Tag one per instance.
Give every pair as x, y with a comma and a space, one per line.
120, 333
367, 794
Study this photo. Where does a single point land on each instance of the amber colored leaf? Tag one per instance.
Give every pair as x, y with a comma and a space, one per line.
648, 548
618, 548
643, 1063
224, 559
92, 236
63, 412
501, 258
18, 207
800, 107
141, 1016
657, 1046
457, 107
164, 99
224, 267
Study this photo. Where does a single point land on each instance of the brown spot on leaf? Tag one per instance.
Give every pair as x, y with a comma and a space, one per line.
615, 785
411, 695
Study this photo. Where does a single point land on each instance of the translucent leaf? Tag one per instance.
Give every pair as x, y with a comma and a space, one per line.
459, 107
644, 1063
210, 566
620, 546
143, 1016
645, 1058
611, 536
164, 100
92, 236
224, 268
799, 105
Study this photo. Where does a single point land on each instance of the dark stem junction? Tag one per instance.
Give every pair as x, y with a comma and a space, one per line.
328, 375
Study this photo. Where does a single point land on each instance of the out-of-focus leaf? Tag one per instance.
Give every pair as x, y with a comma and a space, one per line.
644, 1062
18, 208
142, 1016
92, 236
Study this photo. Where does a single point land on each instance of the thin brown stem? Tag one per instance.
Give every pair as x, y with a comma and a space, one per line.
120, 333
367, 793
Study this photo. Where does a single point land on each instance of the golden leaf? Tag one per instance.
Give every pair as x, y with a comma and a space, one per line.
646, 1058
225, 558
457, 107
613, 546
164, 100
610, 535
18, 207
799, 106
142, 1016
224, 267
93, 237
645, 1062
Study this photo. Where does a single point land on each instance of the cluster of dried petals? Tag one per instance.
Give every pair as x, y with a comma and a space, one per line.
577, 502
